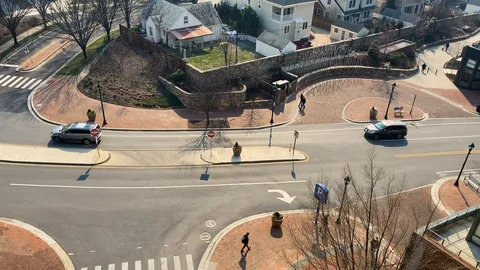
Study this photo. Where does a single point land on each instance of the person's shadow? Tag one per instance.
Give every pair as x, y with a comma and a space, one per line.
243, 260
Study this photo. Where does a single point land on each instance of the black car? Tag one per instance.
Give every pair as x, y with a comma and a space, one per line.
386, 129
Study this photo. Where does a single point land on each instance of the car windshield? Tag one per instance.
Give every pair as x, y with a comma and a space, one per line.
380, 125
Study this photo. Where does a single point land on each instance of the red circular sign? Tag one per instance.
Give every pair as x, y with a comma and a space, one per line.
211, 133
94, 132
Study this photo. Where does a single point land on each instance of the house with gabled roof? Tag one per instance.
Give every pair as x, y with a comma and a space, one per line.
269, 44
342, 30
181, 27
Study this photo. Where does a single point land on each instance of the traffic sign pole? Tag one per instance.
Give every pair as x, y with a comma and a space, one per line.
211, 135
295, 135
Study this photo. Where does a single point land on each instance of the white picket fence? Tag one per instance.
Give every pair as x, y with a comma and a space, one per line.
247, 37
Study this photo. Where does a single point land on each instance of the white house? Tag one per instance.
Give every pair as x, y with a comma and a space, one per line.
397, 16
355, 11
291, 19
178, 26
342, 30
473, 6
269, 44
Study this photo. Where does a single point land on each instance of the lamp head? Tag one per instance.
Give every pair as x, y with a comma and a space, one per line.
347, 180
394, 85
471, 146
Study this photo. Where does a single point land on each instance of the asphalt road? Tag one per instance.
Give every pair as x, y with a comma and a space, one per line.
111, 216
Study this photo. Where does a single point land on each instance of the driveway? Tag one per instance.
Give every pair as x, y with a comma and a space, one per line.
322, 36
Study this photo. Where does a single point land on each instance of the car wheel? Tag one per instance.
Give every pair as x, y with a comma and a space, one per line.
86, 141
399, 136
56, 139
376, 137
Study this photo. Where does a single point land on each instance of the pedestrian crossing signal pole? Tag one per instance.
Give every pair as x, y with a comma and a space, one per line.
295, 135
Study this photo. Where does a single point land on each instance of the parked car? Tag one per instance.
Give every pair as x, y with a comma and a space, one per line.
75, 132
226, 29
386, 129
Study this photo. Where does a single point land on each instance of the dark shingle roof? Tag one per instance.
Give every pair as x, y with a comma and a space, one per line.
205, 12
399, 15
289, 2
273, 40
348, 25
165, 12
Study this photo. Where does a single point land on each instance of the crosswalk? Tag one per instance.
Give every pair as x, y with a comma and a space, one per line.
19, 82
175, 263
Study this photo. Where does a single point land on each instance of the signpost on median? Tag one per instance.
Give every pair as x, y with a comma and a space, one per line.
295, 135
321, 194
94, 133
211, 135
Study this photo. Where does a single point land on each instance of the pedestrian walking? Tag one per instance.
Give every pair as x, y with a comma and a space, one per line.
303, 100
245, 240
446, 47
424, 66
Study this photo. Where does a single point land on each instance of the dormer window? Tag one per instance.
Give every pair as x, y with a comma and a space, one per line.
185, 19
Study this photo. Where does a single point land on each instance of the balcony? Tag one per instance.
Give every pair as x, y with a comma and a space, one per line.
278, 17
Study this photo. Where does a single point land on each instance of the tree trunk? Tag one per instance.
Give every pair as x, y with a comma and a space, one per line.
84, 51
208, 119
44, 18
14, 35
108, 35
127, 20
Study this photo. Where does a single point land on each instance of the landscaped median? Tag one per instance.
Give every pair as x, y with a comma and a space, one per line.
79, 156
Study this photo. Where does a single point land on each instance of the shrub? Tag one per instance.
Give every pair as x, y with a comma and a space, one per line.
397, 59
400, 25
374, 54
177, 77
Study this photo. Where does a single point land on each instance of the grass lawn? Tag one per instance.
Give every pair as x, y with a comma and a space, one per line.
20, 44
76, 64
207, 59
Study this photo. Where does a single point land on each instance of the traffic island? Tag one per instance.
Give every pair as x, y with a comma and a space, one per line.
252, 154
79, 156
23, 246
45, 54
358, 110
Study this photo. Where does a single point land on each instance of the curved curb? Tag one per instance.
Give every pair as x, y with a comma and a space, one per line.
62, 255
205, 261
372, 121
434, 194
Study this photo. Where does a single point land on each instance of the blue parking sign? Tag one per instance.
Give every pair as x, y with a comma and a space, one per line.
321, 192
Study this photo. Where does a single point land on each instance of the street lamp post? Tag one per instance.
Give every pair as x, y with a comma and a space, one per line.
273, 103
99, 86
470, 148
389, 101
346, 180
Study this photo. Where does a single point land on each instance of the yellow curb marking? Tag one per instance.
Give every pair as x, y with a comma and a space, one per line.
433, 154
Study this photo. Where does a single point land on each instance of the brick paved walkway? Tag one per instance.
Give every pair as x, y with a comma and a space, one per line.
456, 199
60, 101
358, 110
21, 249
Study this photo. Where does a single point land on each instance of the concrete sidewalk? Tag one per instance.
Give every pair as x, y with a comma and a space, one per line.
201, 156
54, 155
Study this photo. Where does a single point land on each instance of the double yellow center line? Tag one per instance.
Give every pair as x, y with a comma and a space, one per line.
433, 154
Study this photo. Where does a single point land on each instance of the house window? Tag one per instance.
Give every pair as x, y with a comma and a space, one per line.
319, 11
369, 2
416, 9
366, 14
347, 18
335, 30
329, 2
350, 35
287, 29
185, 19
305, 25
408, 9
151, 30
351, 4
287, 11
249, 2
471, 63
327, 14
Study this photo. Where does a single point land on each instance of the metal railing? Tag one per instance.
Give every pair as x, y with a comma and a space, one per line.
277, 17
287, 18
462, 255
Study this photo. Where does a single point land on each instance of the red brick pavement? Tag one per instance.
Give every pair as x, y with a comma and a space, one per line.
359, 110
22, 250
457, 199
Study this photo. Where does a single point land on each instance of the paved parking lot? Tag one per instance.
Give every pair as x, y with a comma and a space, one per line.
322, 36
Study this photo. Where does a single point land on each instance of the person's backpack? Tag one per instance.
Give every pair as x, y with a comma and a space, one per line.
244, 239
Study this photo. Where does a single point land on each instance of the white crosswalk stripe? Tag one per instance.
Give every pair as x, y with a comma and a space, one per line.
22, 82
137, 265
6, 77
28, 83
35, 84
15, 82
9, 80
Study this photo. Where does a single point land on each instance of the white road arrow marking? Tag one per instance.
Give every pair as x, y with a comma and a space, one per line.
286, 198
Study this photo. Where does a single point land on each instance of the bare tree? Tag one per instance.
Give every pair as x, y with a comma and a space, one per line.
369, 232
127, 9
226, 48
42, 7
75, 18
105, 11
11, 13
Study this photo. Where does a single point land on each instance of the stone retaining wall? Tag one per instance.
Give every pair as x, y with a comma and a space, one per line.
221, 100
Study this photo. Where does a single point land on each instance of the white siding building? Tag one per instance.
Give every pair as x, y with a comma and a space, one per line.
291, 19
355, 11
269, 44
342, 30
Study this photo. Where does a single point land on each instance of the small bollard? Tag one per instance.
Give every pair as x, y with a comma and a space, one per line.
436, 72
428, 70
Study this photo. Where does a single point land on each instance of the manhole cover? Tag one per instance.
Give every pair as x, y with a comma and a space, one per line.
211, 223
205, 236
